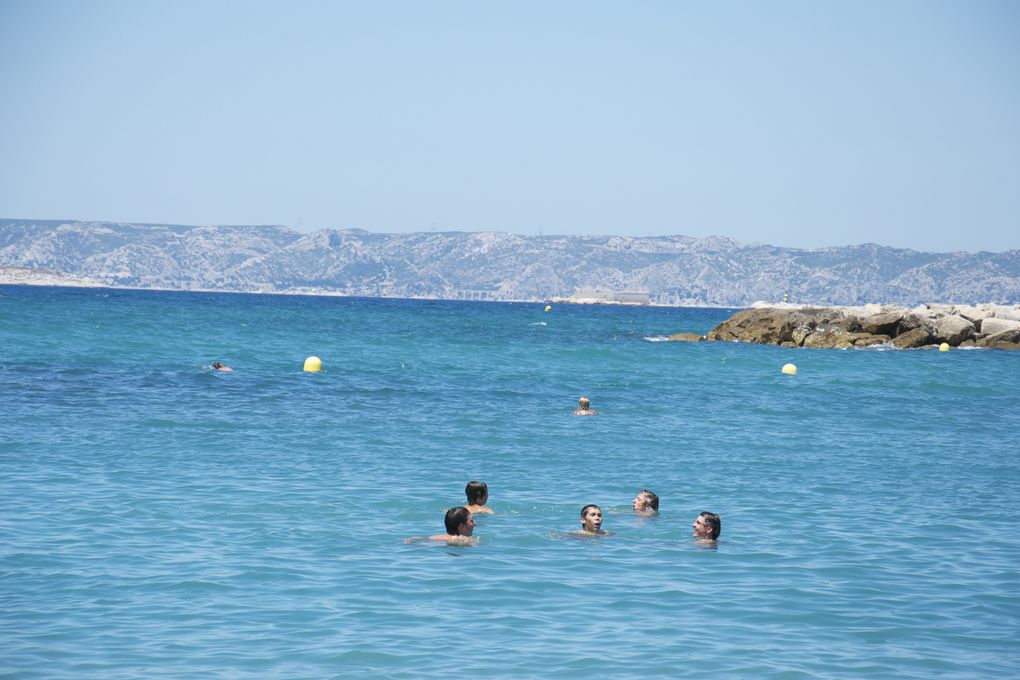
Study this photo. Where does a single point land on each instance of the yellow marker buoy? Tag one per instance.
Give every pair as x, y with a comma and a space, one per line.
313, 364
944, 347
548, 308
789, 369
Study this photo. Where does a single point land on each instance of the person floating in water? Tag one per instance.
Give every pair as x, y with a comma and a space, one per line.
217, 366
707, 527
591, 522
459, 527
477, 495
584, 407
646, 502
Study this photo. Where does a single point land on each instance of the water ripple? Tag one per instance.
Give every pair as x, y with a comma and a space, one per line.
159, 519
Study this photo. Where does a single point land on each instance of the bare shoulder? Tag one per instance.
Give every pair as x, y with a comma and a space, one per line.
475, 509
454, 540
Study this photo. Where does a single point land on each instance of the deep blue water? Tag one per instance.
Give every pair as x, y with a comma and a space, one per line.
158, 519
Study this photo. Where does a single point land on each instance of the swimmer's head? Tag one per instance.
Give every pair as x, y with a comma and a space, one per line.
459, 522
217, 365
583, 403
477, 493
646, 501
707, 525
591, 517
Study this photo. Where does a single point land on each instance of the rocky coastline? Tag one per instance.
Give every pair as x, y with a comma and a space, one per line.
985, 326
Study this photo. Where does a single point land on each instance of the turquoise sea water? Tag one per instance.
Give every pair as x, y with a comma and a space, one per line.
158, 519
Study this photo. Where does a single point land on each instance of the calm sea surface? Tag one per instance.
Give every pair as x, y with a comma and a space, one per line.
159, 519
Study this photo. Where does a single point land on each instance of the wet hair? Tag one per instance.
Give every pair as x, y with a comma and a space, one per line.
454, 518
217, 364
476, 492
590, 506
714, 523
583, 403
653, 500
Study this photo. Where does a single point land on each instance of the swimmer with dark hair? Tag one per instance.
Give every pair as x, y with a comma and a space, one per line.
591, 522
707, 527
217, 366
584, 407
477, 496
646, 502
459, 527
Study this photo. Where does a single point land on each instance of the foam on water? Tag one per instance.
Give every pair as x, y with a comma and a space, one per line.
162, 519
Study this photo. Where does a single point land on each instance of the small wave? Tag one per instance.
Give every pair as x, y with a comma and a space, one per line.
537, 323
656, 338
882, 347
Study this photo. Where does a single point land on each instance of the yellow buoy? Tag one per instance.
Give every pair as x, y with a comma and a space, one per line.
313, 364
548, 308
789, 369
944, 347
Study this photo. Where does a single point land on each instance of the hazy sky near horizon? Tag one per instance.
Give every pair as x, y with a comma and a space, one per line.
802, 124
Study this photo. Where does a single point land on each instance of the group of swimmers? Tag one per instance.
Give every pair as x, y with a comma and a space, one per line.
460, 521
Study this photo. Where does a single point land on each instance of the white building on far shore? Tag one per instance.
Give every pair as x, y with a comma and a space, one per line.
623, 297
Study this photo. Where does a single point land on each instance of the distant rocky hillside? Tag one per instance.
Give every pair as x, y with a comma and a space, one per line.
484, 265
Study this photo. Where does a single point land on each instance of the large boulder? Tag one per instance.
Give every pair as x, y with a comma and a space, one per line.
938, 310
917, 337
993, 325
1003, 312
1010, 335
839, 338
974, 314
868, 339
1002, 345
953, 329
881, 324
801, 333
768, 326
685, 337
915, 319
826, 338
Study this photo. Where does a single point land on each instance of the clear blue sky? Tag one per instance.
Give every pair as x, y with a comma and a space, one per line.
806, 124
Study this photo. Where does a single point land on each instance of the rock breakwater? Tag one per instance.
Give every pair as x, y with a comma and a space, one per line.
989, 326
